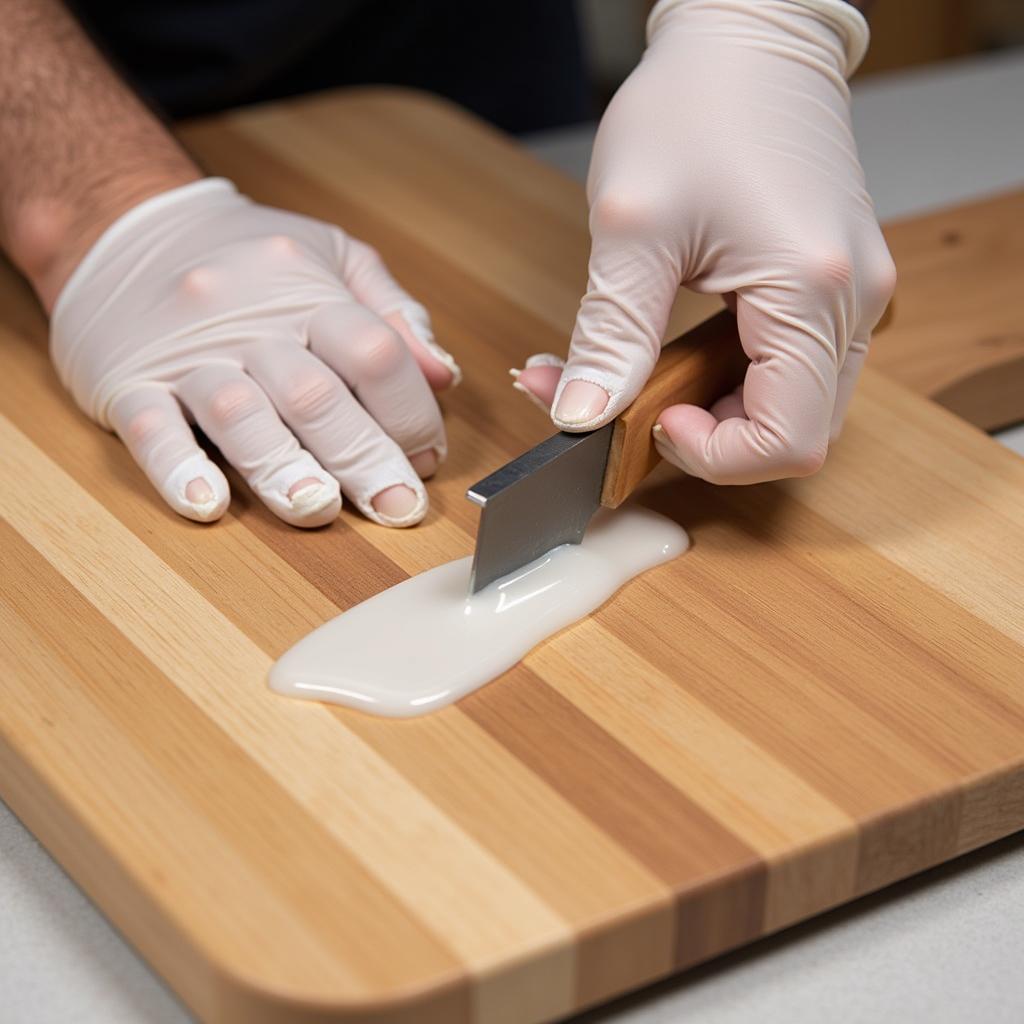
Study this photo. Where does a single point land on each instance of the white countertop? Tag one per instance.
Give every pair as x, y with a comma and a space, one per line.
943, 947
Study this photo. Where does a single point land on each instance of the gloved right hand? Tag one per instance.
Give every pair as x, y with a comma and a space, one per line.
265, 328
726, 163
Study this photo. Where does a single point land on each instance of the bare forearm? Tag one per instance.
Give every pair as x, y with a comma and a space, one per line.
77, 147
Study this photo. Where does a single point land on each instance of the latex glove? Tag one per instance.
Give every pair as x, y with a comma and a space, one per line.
266, 329
726, 162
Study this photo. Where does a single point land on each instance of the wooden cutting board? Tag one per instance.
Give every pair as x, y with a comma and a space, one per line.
958, 332
825, 695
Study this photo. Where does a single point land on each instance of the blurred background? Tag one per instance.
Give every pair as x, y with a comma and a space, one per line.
904, 33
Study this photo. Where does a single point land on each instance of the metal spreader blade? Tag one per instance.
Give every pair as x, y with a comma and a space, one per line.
537, 502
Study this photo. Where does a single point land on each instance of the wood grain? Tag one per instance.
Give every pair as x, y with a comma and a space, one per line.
957, 335
822, 697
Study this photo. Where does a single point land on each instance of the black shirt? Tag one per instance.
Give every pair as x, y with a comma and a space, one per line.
516, 62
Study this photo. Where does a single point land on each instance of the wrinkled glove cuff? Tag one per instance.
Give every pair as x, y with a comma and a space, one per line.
843, 17
79, 300
137, 214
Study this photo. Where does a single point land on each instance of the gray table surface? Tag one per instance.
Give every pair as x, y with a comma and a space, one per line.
943, 947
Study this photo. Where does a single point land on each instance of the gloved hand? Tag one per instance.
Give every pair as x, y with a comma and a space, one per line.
726, 162
266, 328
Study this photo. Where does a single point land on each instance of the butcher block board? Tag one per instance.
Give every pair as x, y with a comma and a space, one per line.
825, 695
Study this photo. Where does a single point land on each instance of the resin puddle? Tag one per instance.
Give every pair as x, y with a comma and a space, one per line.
425, 642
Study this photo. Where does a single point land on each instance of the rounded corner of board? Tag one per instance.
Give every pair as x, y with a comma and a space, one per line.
240, 998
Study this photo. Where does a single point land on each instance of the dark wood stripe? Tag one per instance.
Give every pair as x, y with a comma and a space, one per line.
434, 754
719, 880
345, 567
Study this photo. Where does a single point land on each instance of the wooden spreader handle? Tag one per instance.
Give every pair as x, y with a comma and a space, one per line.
698, 367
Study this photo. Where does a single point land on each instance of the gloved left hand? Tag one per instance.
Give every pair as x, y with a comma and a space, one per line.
267, 329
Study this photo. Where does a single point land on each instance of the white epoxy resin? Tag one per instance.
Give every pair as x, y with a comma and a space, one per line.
424, 642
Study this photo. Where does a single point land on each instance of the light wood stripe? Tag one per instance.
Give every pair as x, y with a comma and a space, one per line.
660, 824
544, 837
966, 542
774, 811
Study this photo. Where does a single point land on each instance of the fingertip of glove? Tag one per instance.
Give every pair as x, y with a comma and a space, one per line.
397, 506
666, 448
314, 502
544, 359
207, 512
204, 499
448, 361
427, 462
581, 406
413, 323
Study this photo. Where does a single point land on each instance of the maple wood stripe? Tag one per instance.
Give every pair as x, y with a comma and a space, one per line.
652, 819
809, 844
972, 487
857, 777
888, 611
920, 774
892, 608
278, 851
453, 761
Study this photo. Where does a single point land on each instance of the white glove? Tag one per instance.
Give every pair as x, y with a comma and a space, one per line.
726, 162
262, 327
